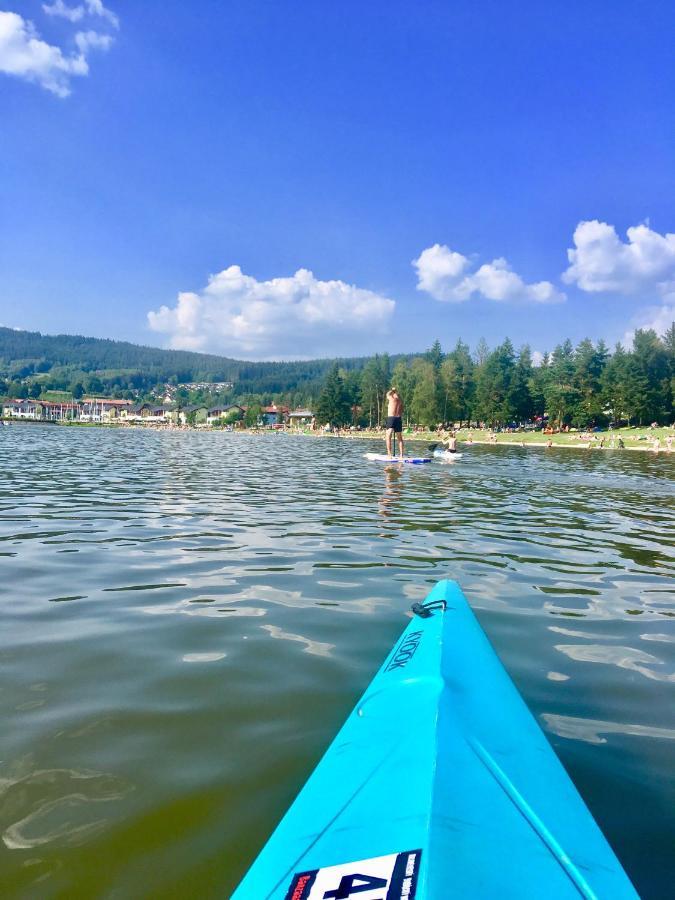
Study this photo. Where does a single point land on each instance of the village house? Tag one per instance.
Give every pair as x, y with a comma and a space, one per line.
40, 410
193, 415
148, 413
102, 409
301, 418
59, 412
274, 415
22, 409
217, 414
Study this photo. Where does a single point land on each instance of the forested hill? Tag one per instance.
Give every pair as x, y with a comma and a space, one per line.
21, 349
61, 362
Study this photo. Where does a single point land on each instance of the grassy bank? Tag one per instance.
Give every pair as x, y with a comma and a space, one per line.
641, 439
633, 438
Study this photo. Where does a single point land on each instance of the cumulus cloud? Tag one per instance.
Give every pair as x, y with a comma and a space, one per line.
24, 55
298, 316
89, 40
438, 269
601, 262
77, 13
447, 276
654, 318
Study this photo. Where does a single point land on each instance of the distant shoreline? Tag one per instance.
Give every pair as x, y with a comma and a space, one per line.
642, 442
558, 441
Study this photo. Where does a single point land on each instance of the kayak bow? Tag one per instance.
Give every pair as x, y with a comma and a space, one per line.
439, 785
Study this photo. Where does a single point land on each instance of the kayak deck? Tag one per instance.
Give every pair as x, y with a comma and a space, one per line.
439, 785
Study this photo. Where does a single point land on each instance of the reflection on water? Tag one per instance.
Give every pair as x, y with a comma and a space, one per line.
54, 805
187, 618
393, 488
624, 657
318, 648
594, 732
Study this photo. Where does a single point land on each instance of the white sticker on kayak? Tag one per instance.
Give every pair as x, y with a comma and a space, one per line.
391, 877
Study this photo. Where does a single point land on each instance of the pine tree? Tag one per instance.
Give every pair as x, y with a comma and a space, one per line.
520, 396
374, 385
333, 407
435, 355
403, 380
495, 399
424, 399
613, 385
537, 386
482, 352
465, 384
650, 375
589, 363
669, 344
559, 391
451, 399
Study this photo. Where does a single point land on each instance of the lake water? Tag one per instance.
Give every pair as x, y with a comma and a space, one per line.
187, 618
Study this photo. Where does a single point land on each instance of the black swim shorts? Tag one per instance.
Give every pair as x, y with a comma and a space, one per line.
395, 423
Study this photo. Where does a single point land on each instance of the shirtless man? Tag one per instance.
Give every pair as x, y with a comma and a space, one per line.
451, 443
394, 422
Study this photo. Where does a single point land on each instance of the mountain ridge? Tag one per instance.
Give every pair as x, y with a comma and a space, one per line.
127, 366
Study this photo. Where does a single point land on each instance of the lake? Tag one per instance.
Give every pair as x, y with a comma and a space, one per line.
187, 618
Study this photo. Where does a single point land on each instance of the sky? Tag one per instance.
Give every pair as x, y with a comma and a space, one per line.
269, 179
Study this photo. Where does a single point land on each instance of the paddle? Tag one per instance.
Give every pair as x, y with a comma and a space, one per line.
433, 446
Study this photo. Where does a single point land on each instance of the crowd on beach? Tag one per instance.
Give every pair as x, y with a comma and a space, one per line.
484, 435
654, 439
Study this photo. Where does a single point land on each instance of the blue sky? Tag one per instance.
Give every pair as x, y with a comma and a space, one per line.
213, 150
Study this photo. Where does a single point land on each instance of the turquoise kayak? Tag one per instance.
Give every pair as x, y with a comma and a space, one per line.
439, 785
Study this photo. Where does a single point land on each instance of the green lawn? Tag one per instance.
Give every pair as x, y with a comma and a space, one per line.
632, 437
56, 396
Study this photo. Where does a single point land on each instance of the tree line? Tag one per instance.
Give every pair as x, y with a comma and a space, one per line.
578, 386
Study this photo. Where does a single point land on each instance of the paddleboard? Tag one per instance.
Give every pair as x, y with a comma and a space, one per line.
410, 460
439, 786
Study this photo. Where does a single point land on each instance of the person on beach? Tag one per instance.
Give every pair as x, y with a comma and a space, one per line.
394, 423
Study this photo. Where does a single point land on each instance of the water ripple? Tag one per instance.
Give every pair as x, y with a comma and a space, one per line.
288, 565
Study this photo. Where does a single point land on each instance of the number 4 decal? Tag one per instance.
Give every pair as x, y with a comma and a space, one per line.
390, 877
348, 886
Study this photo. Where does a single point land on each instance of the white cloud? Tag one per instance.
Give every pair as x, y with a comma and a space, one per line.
438, 270
62, 11
601, 262
96, 8
654, 318
88, 40
77, 13
445, 275
24, 55
537, 358
293, 317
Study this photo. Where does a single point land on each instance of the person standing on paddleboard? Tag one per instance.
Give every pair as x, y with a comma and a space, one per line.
394, 422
